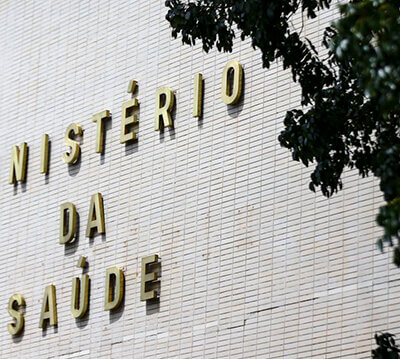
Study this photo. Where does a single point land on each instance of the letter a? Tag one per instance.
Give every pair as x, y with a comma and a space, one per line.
96, 216
49, 307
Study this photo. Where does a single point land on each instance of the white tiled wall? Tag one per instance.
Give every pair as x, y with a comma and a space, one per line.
254, 265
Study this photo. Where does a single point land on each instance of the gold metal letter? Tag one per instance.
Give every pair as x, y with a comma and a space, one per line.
232, 95
75, 148
114, 292
96, 216
17, 327
99, 118
80, 296
147, 278
128, 117
44, 154
197, 95
49, 307
18, 163
67, 232
163, 108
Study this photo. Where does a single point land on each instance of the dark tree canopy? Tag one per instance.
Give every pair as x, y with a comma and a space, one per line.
349, 116
387, 348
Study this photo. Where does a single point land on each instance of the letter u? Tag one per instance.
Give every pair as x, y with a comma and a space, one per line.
80, 296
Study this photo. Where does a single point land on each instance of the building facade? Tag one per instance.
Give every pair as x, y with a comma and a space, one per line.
252, 264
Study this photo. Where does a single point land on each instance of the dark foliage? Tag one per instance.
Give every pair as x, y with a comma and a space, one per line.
387, 348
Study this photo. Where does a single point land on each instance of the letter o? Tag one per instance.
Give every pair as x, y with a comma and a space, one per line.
231, 91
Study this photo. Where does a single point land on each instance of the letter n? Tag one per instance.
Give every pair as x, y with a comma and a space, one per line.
18, 163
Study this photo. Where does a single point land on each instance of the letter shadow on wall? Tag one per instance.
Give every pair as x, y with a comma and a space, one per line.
46, 176
49, 327
153, 305
81, 323
169, 130
117, 313
235, 110
23, 183
92, 239
133, 145
74, 168
18, 338
200, 119
107, 127
71, 247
